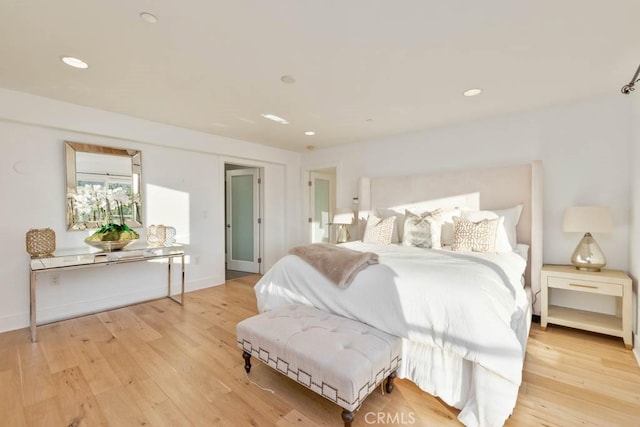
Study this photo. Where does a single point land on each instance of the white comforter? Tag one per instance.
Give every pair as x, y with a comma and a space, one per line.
461, 306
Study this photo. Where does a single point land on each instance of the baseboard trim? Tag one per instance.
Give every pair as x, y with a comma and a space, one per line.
12, 322
636, 349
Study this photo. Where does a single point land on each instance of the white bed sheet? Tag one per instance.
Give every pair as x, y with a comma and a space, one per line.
464, 318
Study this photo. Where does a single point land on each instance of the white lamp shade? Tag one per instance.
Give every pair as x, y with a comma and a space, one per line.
587, 219
343, 216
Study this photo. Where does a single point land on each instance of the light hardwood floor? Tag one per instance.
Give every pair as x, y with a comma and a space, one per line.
160, 364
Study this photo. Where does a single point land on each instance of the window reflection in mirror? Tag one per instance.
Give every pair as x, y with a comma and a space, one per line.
103, 186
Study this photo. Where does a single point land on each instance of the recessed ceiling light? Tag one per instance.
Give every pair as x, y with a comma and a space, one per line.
309, 133
472, 92
74, 62
275, 118
288, 79
148, 18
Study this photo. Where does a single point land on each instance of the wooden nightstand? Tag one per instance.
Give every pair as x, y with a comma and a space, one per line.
606, 282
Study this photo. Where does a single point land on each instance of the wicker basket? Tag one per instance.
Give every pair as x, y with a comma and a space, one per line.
41, 242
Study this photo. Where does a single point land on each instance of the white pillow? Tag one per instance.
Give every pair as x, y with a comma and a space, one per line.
446, 232
502, 241
422, 231
379, 231
522, 249
511, 219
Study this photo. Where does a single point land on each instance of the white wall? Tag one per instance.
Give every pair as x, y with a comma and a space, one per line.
634, 235
584, 147
183, 177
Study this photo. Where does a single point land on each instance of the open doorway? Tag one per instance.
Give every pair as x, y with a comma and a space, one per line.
242, 220
322, 201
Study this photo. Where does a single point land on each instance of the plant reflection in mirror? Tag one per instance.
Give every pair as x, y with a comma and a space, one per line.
99, 204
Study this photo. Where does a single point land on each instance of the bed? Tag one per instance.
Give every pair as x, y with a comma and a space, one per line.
464, 317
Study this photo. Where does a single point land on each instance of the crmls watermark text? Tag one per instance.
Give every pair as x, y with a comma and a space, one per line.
390, 418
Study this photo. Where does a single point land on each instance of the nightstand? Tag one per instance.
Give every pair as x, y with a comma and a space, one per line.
606, 282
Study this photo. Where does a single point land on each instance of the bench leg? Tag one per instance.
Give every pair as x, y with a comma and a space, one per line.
389, 385
247, 361
347, 417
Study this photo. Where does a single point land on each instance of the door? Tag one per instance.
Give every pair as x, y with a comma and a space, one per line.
243, 220
321, 186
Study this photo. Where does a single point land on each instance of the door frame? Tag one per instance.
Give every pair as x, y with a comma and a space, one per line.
252, 266
305, 206
331, 177
261, 206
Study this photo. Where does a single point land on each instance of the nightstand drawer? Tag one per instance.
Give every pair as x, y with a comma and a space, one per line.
585, 286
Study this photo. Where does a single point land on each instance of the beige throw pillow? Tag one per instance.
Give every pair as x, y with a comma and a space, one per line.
379, 231
422, 230
474, 236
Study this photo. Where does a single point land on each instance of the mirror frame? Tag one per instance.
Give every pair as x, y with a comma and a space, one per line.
70, 150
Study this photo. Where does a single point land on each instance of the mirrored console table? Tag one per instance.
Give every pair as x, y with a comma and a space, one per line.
69, 259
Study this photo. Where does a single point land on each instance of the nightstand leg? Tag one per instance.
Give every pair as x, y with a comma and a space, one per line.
543, 328
628, 346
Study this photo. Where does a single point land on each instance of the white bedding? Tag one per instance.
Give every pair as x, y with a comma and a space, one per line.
464, 318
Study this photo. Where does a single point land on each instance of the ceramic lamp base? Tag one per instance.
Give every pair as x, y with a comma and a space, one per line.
343, 234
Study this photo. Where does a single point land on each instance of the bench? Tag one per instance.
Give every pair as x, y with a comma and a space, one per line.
340, 359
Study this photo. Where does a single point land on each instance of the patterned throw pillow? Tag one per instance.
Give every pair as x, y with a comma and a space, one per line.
422, 231
379, 231
474, 236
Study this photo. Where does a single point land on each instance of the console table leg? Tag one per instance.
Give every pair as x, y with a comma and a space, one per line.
171, 297
32, 306
169, 261
182, 280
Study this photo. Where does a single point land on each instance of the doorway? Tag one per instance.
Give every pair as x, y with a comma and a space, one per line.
322, 200
242, 220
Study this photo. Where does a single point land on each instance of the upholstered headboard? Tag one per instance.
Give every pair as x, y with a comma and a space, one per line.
495, 188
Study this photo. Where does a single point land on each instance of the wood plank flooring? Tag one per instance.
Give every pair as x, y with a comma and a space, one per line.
160, 364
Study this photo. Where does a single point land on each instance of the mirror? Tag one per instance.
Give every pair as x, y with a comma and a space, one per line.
103, 185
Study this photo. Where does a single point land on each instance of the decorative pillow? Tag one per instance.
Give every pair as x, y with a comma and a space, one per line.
502, 241
379, 231
422, 230
474, 236
384, 213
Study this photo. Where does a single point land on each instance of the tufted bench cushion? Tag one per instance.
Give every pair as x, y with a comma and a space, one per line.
340, 359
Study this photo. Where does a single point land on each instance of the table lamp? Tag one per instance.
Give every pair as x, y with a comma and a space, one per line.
587, 219
343, 217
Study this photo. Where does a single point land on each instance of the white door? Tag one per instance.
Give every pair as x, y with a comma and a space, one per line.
243, 220
322, 199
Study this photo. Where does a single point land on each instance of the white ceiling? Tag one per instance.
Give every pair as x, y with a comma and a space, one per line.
363, 68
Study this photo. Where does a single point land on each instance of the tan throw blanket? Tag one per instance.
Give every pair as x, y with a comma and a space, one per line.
339, 265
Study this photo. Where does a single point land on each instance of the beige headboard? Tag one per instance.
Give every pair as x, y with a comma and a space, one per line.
494, 188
